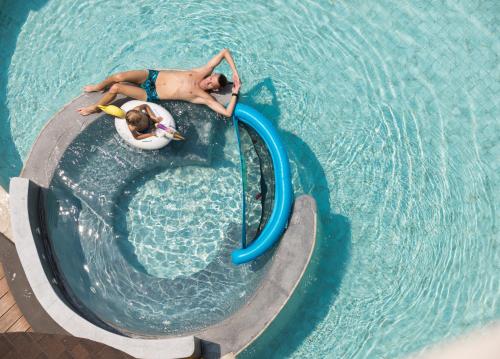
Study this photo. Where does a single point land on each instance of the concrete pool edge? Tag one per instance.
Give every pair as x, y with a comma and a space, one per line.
231, 335
481, 343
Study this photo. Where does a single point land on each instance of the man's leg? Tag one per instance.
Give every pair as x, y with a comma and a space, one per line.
115, 89
136, 76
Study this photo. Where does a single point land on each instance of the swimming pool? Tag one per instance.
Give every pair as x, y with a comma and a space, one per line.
141, 241
390, 114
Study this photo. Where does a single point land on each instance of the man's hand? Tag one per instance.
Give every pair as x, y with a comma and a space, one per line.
236, 79
236, 84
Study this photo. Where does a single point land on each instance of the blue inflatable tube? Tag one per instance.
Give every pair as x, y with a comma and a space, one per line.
283, 199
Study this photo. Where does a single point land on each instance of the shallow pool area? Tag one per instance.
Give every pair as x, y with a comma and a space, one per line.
141, 241
389, 112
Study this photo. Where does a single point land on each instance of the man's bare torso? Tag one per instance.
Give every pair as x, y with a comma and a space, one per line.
178, 84
192, 85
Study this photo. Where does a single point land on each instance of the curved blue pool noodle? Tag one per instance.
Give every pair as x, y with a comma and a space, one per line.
283, 198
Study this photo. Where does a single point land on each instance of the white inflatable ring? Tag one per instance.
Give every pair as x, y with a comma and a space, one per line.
150, 143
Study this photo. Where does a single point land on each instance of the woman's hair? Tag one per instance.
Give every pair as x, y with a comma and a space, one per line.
134, 117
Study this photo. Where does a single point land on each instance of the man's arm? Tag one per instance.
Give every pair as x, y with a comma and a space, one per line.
216, 106
216, 60
206, 99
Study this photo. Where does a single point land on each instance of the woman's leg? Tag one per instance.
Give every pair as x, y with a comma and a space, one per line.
115, 89
136, 76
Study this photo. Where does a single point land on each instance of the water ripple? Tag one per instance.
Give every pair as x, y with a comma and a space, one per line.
397, 102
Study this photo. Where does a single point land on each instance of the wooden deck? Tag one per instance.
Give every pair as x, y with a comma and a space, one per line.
11, 318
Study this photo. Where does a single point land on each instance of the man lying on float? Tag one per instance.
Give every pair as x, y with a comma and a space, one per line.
192, 85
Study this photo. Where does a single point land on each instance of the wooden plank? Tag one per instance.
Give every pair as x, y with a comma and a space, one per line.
6, 302
2, 272
30, 330
9, 318
21, 325
4, 288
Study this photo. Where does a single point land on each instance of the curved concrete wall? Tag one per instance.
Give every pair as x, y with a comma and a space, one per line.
289, 262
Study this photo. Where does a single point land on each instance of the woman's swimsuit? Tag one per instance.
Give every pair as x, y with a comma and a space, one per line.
150, 85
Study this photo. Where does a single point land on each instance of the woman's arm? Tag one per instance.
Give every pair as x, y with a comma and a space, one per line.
151, 114
141, 136
140, 108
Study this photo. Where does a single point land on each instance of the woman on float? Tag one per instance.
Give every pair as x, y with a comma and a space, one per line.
141, 121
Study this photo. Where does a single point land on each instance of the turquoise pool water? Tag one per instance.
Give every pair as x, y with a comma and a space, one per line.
390, 112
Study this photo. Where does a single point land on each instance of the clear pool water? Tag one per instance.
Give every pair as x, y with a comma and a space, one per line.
390, 111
